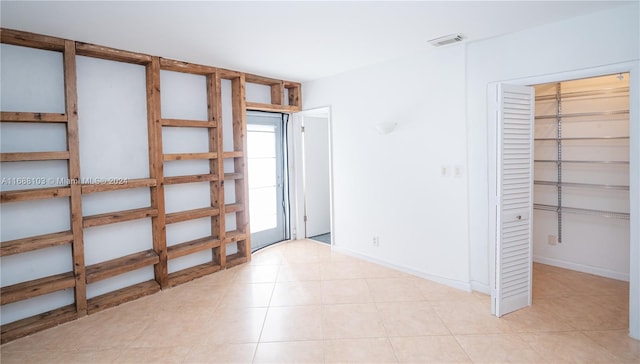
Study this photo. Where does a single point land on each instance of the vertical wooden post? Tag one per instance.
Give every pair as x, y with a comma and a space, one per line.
240, 144
277, 93
73, 145
216, 166
154, 128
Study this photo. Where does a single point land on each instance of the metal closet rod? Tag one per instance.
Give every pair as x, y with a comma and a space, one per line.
583, 114
582, 185
576, 161
604, 92
586, 138
590, 212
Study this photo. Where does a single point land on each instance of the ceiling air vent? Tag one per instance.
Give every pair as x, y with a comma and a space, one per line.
447, 39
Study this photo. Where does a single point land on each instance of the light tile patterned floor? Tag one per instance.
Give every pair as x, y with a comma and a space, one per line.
298, 302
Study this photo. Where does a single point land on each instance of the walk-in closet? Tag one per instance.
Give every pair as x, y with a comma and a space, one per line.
581, 184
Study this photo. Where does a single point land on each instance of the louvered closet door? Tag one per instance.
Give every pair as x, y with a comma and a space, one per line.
515, 186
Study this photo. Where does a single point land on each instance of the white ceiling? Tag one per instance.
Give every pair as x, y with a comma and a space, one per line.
297, 41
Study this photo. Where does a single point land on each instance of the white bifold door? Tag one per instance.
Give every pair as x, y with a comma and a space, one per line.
514, 198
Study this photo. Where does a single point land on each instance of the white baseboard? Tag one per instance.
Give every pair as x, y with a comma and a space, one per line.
464, 286
480, 287
582, 268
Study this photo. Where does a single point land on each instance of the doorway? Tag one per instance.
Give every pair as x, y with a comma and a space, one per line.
312, 169
268, 182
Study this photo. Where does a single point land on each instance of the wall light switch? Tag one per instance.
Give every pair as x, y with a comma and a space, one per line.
444, 171
457, 171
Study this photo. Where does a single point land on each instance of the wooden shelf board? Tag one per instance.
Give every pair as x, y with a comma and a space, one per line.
189, 156
235, 154
118, 216
34, 194
115, 298
130, 184
249, 78
31, 40
189, 123
27, 326
272, 107
233, 176
112, 54
33, 156
192, 273
114, 267
235, 259
185, 67
36, 287
234, 236
235, 207
35, 243
191, 214
190, 179
32, 117
193, 246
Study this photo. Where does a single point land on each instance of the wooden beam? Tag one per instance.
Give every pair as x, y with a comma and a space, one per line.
115, 298
34, 194
192, 273
185, 67
295, 94
119, 216
31, 40
192, 246
111, 54
234, 236
233, 176
156, 171
236, 207
189, 156
75, 202
33, 324
261, 80
236, 154
189, 123
272, 108
190, 179
130, 184
216, 142
180, 216
36, 287
277, 93
33, 156
228, 74
24, 245
33, 117
114, 267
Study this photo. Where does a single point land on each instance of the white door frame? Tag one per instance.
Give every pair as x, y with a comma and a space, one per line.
634, 172
296, 171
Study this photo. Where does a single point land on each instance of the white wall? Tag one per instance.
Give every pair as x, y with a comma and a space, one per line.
316, 168
391, 185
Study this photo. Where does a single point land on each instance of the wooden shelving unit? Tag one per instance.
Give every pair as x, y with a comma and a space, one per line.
285, 97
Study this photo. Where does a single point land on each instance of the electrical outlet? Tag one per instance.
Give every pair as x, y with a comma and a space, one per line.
376, 241
552, 240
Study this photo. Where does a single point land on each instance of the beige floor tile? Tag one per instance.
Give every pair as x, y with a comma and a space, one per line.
349, 321
236, 325
290, 352
177, 332
470, 317
267, 256
432, 291
297, 293
498, 348
393, 289
371, 350
258, 274
345, 291
572, 347
292, 323
538, 317
300, 272
428, 349
248, 295
618, 343
154, 355
585, 313
411, 319
222, 353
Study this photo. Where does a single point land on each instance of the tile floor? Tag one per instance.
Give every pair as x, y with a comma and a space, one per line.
298, 302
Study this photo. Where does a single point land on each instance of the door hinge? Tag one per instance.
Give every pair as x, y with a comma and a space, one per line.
305, 218
302, 129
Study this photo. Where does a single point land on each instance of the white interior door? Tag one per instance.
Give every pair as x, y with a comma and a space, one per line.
316, 176
514, 199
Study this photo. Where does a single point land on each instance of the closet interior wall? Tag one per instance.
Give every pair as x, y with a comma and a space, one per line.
122, 174
581, 168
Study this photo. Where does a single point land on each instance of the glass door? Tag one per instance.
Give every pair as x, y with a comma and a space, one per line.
267, 183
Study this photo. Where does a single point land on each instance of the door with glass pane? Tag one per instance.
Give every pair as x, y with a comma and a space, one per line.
265, 155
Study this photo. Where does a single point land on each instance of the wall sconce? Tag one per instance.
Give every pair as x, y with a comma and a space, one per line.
386, 128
